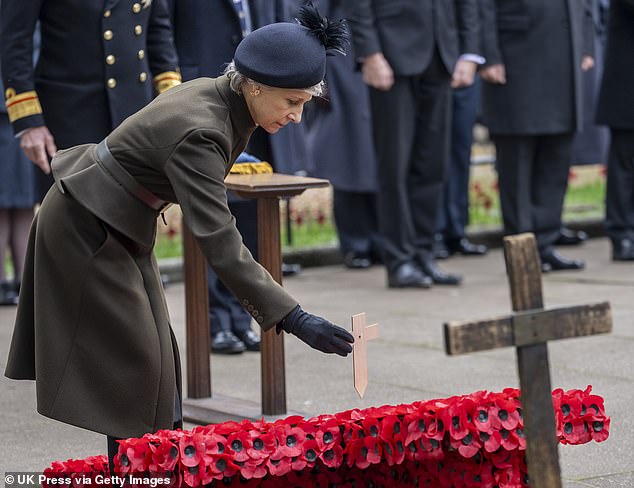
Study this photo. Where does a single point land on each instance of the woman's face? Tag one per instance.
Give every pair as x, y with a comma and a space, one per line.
273, 108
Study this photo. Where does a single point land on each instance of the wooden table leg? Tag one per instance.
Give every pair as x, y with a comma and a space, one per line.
272, 353
197, 319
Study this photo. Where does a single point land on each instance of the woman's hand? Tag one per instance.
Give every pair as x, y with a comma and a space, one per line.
318, 333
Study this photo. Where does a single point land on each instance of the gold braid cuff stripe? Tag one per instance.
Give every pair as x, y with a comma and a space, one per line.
23, 105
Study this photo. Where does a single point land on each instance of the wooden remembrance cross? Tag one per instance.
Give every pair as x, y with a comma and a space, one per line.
529, 329
200, 407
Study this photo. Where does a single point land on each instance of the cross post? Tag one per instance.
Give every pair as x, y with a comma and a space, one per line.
529, 329
362, 333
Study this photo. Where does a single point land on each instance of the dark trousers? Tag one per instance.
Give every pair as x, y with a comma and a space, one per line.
453, 215
411, 135
356, 222
225, 311
532, 178
619, 198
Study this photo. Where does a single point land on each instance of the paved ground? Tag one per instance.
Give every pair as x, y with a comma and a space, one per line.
407, 363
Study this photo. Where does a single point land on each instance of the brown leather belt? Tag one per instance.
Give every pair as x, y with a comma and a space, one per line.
111, 166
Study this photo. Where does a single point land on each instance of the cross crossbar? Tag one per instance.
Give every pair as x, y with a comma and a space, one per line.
527, 327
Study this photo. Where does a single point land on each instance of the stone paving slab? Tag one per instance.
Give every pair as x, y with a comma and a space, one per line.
407, 363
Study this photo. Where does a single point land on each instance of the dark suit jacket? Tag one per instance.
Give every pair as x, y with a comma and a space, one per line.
72, 74
407, 31
616, 99
541, 43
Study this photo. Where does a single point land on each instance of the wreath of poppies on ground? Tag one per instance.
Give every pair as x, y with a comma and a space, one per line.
464, 441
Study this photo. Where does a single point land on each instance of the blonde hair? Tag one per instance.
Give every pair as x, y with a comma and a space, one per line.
237, 81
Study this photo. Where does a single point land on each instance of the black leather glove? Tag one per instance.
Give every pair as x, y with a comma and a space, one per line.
318, 333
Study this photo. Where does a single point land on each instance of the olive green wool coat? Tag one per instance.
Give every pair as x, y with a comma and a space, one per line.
92, 326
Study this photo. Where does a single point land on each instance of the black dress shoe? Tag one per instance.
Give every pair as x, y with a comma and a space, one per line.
8, 294
407, 275
466, 247
250, 339
291, 269
569, 237
225, 342
355, 260
553, 261
439, 277
439, 248
623, 250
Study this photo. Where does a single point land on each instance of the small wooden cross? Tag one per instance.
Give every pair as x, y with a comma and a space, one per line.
362, 333
528, 330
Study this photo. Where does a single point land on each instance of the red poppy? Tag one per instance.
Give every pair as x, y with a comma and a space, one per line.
164, 457
467, 446
394, 449
278, 467
253, 468
435, 427
289, 440
455, 419
575, 431
239, 443
328, 434
333, 456
221, 467
192, 476
192, 448
599, 429
262, 445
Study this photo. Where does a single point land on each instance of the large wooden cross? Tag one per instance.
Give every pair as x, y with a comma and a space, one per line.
529, 329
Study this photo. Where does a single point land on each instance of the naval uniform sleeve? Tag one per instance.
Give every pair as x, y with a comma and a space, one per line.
161, 50
17, 25
196, 171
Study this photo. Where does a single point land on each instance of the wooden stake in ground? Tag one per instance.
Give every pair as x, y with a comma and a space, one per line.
529, 330
362, 333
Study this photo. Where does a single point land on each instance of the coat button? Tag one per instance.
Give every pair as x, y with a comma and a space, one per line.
110, 59
138, 30
112, 83
107, 13
136, 8
108, 35
142, 77
260, 320
141, 54
245, 302
250, 308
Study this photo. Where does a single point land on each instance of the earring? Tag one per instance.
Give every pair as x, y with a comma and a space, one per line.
255, 91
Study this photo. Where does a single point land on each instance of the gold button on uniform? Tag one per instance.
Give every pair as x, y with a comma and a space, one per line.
107, 35
112, 83
138, 30
142, 77
110, 59
141, 54
136, 8
107, 13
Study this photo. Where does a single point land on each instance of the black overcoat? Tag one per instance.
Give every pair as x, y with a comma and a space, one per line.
616, 99
541, 43
92, 326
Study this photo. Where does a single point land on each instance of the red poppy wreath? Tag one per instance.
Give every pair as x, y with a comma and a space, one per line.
474, 440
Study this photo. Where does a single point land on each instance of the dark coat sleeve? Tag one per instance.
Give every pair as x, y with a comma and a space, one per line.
468, 26
162, 56
17, 25
196, 171
489, 33
361, 21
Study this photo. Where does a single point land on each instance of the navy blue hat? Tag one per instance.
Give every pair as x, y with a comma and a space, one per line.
291, 55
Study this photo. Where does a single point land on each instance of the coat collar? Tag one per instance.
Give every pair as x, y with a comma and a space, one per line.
241, 119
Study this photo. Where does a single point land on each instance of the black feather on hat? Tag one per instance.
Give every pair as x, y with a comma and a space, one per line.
333, 35
291, 55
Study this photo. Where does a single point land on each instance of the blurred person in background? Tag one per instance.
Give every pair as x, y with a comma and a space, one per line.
411, 53
100, 62
616, 110
532, 105
340, 148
